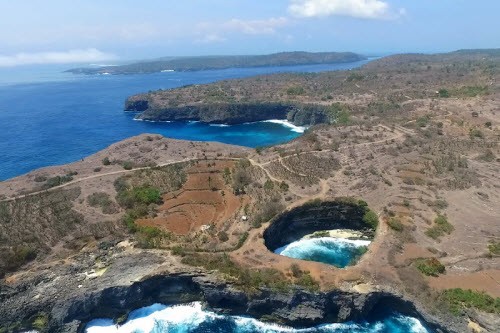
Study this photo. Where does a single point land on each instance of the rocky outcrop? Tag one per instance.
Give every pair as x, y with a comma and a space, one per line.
316, 216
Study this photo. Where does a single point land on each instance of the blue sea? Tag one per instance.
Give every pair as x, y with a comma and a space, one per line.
48, 117
338, 252
193, 318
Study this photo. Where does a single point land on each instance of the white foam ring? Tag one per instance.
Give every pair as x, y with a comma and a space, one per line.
159, 318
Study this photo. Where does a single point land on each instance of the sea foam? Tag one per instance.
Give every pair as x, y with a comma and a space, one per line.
191, 317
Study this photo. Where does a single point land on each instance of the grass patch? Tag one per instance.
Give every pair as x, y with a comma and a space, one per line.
441, 227
430, 266
459, 299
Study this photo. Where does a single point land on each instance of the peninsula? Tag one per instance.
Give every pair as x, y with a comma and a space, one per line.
185, 64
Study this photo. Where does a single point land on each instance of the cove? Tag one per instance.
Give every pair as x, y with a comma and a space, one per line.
192, 317
339, 252
52, 118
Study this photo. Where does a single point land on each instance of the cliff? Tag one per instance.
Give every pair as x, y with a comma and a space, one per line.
227, 113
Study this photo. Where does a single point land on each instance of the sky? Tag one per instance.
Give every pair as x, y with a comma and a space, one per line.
95, 31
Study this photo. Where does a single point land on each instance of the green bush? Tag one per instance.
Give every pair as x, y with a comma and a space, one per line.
40, 322
128, 165
476, 133
430, 266
56, 181
441, 228
494, 248
460, 299
443, 93
395, 224
370, 218
223, 237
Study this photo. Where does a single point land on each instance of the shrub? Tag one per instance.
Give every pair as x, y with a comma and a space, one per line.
423, 121
441, 227
430, 266
128, 165
98, 169
223, 236
106, 161
284, 186
150, 237
40, 179
395, 224
494, 248
476, 133
102, 200
56, 181
370, 218
40, 322
443, 93
242, 240
268, 185
459, 299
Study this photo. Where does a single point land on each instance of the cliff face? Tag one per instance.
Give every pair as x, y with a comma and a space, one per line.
228, 113
297, 308
307, 219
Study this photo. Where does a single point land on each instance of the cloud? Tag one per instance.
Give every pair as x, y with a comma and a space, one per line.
255, 27
210, 38
216, 31
368, 9
71, 56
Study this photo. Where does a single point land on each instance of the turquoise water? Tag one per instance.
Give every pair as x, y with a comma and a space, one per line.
192, 318
338, 252
48, 117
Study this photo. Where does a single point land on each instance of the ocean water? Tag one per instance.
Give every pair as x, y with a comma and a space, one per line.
48, 117
338, 252
192, 318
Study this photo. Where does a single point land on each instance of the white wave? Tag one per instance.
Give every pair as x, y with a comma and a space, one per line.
159, 318
286, 123
219, 125
305, 244
167, 70
154, 317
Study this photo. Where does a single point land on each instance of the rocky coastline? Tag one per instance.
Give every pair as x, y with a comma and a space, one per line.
296, 308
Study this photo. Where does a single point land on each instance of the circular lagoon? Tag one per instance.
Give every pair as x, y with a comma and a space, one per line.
331, 232
339, 252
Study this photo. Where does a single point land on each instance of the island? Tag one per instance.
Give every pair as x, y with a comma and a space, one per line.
185, 64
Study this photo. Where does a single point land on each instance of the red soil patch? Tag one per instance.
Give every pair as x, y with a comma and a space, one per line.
204, 199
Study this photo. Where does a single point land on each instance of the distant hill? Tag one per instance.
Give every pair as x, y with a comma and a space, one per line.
184, 64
